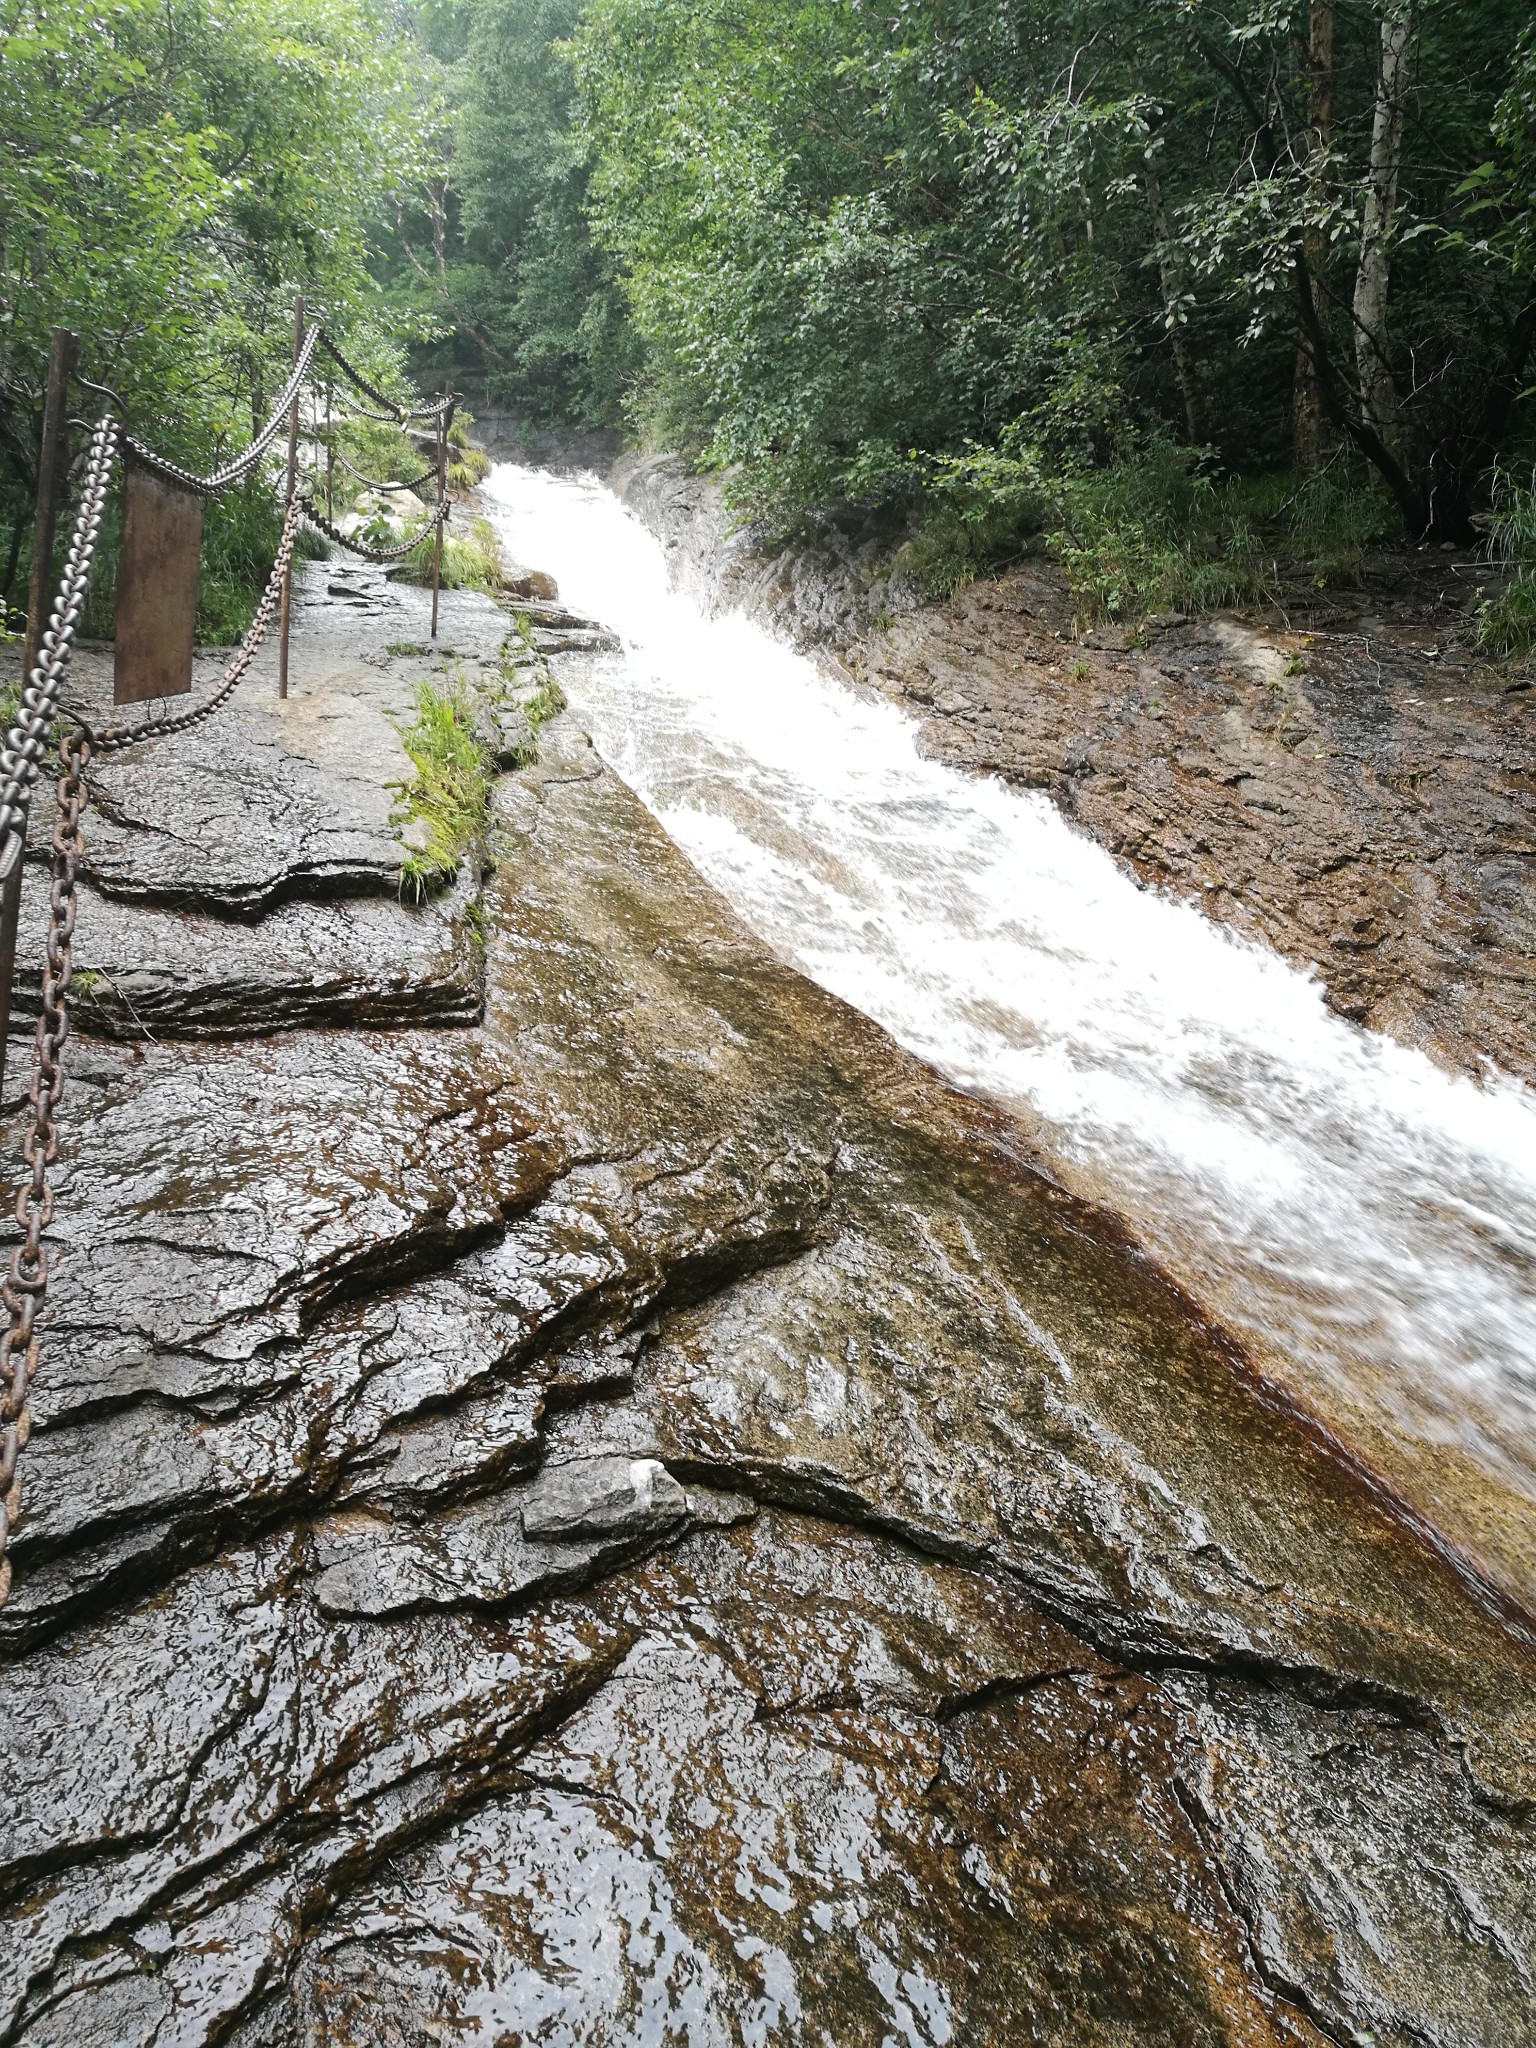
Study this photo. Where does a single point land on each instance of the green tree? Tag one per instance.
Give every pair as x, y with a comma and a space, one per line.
497, 242
171, 173
859, 239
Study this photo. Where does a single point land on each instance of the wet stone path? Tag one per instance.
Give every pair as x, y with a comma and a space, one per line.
579, 1495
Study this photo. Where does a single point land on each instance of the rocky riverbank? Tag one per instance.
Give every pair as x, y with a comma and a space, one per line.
579, 1494
1346, 780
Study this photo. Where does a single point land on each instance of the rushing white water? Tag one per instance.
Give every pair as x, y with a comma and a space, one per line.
1352, 1208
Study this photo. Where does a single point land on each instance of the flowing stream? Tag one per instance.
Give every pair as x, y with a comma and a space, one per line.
1366, 1221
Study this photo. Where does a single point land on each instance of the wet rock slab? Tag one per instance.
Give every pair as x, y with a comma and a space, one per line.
147, 972
245, 876
653, 1516
900, 1731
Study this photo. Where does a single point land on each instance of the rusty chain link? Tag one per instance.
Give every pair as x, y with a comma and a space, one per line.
25, 1286
317, 518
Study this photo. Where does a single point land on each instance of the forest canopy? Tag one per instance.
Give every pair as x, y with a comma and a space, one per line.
958, 249
172, 173
1112, 274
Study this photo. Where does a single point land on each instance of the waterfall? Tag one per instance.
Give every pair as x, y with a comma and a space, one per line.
1365, 1221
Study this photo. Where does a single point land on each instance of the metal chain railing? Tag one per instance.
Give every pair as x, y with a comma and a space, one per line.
27, 741
354, 546
24, 1288
409, 484
355, 411
398, 413
240, 467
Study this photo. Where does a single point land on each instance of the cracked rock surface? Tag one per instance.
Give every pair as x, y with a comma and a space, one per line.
648, 1517
245, 876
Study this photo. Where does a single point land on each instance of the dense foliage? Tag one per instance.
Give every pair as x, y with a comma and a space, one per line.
853, 231
171, 173
1129, 277
496, 247
968, 253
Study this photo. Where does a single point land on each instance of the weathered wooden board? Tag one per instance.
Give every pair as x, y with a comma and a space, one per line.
156, 589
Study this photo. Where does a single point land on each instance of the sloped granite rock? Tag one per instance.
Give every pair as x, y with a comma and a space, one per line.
826, 1788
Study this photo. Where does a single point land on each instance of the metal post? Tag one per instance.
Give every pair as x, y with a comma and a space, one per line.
290, 487
52, 460
442, 492
52, 463
330, 453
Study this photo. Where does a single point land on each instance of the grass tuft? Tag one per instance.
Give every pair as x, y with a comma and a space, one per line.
444, 809
471, 561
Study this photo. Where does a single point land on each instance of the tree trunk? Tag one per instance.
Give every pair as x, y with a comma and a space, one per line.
1378, 394
1306, 397
1169, 274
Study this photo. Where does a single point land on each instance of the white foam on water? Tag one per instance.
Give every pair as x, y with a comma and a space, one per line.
1334, 1195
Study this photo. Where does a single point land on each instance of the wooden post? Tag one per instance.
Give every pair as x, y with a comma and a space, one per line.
442, 491
291, 485
52, 462
157, 569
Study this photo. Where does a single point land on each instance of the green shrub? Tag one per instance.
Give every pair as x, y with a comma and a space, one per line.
1150, 529
977, 512
240, 537
471, 561
467, 466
